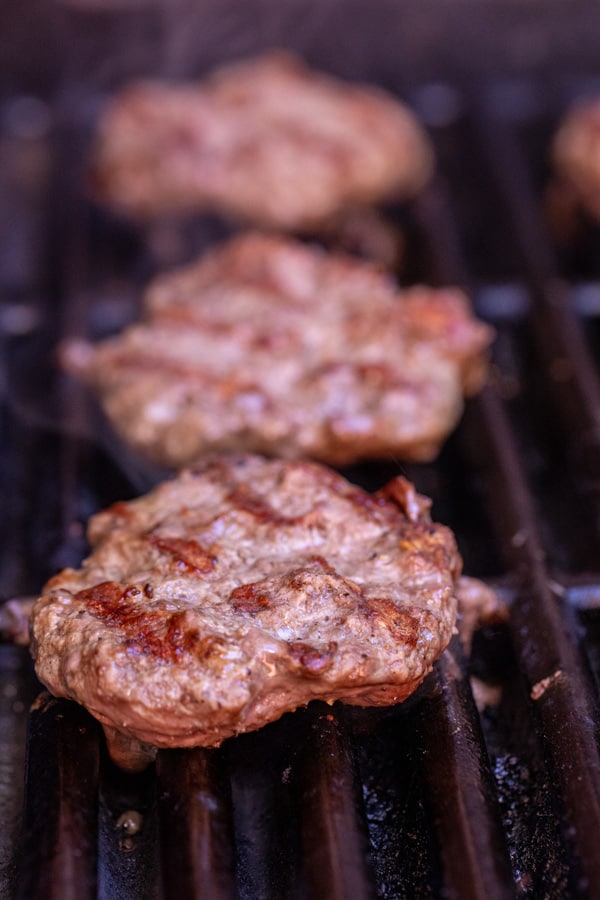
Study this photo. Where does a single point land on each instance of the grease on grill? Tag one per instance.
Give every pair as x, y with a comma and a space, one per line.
129, 824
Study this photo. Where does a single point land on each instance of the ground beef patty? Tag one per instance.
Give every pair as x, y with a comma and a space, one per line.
270, 346
243, 589
266, 140
576, 154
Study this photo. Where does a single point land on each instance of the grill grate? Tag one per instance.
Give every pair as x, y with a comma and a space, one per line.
433, 798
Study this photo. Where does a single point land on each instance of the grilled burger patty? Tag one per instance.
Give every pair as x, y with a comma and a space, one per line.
268, 141
243, 589
271, 346
576, 154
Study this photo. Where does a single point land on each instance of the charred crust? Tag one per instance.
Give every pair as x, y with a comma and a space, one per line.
242, 498
406, 625
144, 631
102, 599
187, 555
247, 598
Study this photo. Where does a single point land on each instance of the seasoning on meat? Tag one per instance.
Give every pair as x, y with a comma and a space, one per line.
271, 346
267, 141
316, 589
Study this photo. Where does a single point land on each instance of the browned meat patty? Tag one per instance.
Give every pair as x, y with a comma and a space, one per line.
243, 589
576, 154
271, 346
267, 141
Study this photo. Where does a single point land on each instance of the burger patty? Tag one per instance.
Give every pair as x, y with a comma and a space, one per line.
576, 154
270, 346
240, 590
267, 141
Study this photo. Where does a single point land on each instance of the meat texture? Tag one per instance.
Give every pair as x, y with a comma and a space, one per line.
576, 155
267, 141
271, 346
240, 590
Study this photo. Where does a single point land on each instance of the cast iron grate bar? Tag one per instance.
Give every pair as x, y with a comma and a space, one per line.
59, 859
572, 373
547, 653
261, 766
15, 696
332, 826
196, 837
461, 787
128, 857
561, 697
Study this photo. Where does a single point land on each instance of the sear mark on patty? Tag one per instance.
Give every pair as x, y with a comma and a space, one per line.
248, 598
187, 554
406, 625
146, 631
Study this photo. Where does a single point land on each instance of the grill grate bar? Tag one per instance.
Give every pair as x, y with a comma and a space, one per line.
196, 825
572, 373
128, 858
14, 700
565, 710
332, 826
464, 805
60, 818
546, 650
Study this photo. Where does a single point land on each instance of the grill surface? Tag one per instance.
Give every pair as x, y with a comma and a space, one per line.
430, 799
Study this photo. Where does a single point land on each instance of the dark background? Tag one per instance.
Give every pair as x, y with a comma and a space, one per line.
44, 43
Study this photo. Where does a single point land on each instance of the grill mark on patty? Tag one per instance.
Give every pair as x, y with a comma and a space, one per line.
154, 362
147, 631
180, 308
102, 599
148, 361
171, 645
253, 598
405, 625
374, 375
188, 555
247, 598
242, 498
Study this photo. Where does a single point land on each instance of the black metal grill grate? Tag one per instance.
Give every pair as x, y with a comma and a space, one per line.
430, 799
